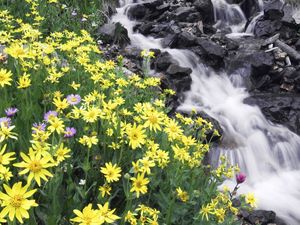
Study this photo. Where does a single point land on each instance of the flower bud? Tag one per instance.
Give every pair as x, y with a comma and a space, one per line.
240, 177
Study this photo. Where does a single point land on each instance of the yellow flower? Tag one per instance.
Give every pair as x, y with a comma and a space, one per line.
139, 184
88, 141
136, 136
62, 153
74, 85
91, 115
60, 104
250, 199
106, 214
88, 216
5, 77
7, 157
5, 174
6, 132
153, 120
206, 211
15, 202
111, 172
36, 166
24, 81
105, 190
182, 195
56, 124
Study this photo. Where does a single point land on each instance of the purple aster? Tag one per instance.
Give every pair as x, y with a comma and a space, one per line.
70, 132
39, 127
50, 114
6, 121
10, 112
73, 99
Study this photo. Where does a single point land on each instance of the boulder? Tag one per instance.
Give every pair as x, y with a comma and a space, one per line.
163, 61
137, 12
114, 33
280, 108
273, 9
206, 9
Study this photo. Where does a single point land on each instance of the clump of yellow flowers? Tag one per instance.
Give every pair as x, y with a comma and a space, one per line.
83, 143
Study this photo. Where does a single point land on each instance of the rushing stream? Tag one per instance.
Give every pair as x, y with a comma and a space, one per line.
269, 154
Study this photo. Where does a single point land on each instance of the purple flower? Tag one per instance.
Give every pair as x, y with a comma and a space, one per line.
6, 121
70, 132
73, 99
10, 112
50, 114
240, 177
38, 127
74, 13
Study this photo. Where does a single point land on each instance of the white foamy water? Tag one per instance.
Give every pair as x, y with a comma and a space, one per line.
267, 153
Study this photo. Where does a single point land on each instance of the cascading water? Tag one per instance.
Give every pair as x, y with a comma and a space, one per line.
268, 153
229, 15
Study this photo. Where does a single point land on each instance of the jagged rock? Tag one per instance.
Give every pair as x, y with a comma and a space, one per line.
163, 61
180, 77
273, 9
210, 52
182, 40
114, 33
280, 108
175, 71
266, 27
206, 9
137, 12
262, 217
249, 7
182, 13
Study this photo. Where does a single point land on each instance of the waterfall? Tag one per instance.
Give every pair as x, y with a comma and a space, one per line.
229, 15
269, 154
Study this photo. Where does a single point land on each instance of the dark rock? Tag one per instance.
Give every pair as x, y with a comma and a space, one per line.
249, 7
145, 28
210, 52
176, 71
280, 108
137, 12
209, 134
206, 9
262, 217
114, 33
163, 61
273, 9
182, 13
266, 27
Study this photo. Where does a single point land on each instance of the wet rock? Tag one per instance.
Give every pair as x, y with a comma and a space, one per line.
163, 61
209, 133
210, 52
249, 7
137, 12
145, 28
114, 33
182, 13
206, 9
180, 77
266, 27
183, 40
273, 9
280, 108
297, 45
262, 217
176, 71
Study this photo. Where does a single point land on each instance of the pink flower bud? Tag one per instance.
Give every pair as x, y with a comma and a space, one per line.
240, 177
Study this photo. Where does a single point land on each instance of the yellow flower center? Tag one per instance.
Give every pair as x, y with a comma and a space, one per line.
153, 119
35, 166
16, 201
138, 184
